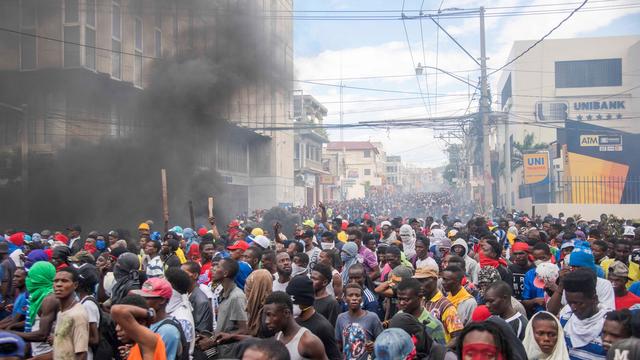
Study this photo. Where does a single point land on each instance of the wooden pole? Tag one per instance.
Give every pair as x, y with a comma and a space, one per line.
193, 219
210, 207
165, 200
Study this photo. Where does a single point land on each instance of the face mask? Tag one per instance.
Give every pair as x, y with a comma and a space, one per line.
344, 257
328, 246
101, 245
297, 270
538, 262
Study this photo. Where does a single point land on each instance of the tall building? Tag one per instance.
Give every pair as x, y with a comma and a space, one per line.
77, 70
310, 177
590, 82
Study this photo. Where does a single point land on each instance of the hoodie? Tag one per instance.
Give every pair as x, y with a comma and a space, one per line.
471, 266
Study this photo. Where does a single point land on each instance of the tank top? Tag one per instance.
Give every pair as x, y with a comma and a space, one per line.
329, 288
158, 354
39, 348
292, 345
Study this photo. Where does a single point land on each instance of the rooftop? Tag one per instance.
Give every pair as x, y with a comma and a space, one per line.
351, 145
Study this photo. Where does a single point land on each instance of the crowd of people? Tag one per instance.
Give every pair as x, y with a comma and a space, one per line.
359, 284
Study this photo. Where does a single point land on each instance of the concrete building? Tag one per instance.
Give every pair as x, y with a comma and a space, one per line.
356, 165
310, 177
86, 84
394, 171
560, 80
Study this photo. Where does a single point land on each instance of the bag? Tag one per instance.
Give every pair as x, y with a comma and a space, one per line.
183, 352
106, 330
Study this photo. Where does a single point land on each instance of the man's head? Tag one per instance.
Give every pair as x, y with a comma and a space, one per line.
541, 253
520, 252
60, 255
357, 274
278, 311
422, 246
226, 269
580, 291
353, 296
307, 237
498, 298
19, 277
65, 283
252, 256
408, 294
192, 269
386, 228
237, 249
617, 326
599, 249
179, 279
428, 278
453, 260
157, 292
88, 278
490, 248
623, 249
321, 277
392, 256
452, 278
618, 276
207, 250
152, 248
355, 236
283, 264
301, 260
268, 260
74, 231
266, 349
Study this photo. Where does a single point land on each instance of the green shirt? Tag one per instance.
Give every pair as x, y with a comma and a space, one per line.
433, 326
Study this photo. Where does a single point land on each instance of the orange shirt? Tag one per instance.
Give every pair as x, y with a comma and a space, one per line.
158, 354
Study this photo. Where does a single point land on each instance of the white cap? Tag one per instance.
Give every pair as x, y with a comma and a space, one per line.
629, 231
262, 240
385, 223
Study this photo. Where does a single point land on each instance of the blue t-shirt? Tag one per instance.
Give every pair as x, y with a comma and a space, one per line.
635, 288
170, 336
530, 291
243, 273
21, 304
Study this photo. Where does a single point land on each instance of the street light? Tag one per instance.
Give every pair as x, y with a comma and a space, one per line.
420, 69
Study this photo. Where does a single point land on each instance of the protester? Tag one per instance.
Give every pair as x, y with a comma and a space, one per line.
498, 300
458, 296
133, 322
356, 329
71, 337
544, 338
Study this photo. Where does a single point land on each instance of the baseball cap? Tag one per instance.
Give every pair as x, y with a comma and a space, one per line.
240, 244
11, 345
113, 233
619, 269
83, 256
300, 288
257, 231
545, 272
155, 287
567, 244
262, 240
385, 223
425, 273
581, 258
627, 349
143, 226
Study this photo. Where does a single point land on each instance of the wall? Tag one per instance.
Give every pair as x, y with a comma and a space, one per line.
587, 211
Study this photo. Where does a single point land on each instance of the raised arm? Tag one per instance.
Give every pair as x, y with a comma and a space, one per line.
125, 316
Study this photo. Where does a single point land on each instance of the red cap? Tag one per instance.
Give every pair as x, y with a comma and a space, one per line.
345, 225
155, 287
17, 239
234, 223
481, 313
241, 244
62, 238
202, 232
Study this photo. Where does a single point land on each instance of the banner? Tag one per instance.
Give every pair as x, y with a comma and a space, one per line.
536, 167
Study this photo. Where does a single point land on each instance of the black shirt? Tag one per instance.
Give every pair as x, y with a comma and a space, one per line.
321, 328
202, 312
328, 307
518, 279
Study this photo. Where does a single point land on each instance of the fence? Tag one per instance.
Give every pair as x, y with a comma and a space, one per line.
585, 190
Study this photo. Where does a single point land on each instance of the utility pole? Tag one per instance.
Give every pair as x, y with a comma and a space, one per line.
484, 115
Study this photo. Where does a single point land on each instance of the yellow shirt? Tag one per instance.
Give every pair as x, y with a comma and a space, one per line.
634, 270
448, 317
180, 255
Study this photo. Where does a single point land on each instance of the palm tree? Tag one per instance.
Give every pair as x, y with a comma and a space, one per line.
526, 146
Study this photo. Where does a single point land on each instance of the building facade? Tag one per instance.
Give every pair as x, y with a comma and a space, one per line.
591, 81
310, 177
79, 69
355, 165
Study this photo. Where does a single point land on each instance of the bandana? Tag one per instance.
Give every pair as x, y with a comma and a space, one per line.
480, 351
487, 261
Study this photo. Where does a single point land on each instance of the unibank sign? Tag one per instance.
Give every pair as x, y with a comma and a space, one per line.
598, 105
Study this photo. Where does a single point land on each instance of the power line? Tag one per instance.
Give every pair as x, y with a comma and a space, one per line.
406, 34
541, 39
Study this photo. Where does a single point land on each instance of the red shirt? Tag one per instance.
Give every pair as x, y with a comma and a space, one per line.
625, 302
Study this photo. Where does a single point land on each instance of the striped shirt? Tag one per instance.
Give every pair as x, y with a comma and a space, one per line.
592, 351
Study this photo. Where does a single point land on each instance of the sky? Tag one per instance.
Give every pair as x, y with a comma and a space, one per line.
380, 50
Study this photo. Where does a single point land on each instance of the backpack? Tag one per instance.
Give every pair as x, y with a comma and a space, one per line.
183, 352
106, 330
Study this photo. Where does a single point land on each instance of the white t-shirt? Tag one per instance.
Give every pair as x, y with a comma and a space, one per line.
604, 290
94, 318
180, 308
278, 286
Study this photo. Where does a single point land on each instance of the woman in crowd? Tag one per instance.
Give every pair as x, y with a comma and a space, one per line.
544, 338
256, 289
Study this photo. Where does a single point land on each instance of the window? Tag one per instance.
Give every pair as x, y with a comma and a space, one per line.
71, 34
367, 153
28, 43
588, 73
116, 44
90, 35
296, 151
158, 41
367, 172
137, 64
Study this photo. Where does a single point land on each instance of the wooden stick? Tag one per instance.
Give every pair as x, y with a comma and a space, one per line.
165, 200
210, 206
193, 219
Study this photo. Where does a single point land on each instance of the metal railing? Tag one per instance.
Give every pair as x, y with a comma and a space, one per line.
585, 190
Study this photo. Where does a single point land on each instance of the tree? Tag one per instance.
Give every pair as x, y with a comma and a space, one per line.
526, 146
